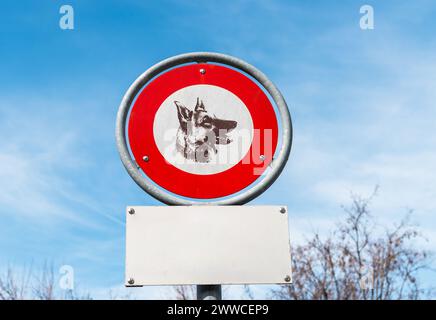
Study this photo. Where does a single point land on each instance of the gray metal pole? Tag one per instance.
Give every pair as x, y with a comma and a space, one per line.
209, 292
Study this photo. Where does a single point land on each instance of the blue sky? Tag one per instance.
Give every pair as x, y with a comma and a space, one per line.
362, 102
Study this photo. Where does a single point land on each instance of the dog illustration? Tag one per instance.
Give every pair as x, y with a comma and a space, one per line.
199, 133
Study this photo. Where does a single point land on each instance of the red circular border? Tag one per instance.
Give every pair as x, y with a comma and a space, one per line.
169, 177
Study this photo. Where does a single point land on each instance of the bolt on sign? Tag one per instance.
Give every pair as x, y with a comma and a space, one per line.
202, 129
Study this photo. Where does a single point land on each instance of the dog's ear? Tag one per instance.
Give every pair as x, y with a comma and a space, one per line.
184, 114
199, 106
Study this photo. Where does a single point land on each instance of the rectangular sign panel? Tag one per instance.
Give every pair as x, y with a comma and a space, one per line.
175, 245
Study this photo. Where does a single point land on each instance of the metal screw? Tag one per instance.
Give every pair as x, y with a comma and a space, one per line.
282, 210
131, 281
287, 278
202, 71
262, 157
145, 158
132, 211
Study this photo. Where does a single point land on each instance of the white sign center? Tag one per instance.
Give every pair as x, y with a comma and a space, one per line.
203, 129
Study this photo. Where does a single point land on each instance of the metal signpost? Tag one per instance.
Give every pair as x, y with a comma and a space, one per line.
203, 130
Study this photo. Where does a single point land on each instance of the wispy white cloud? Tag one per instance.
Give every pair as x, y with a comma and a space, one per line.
362, 105
40, 153
379, 129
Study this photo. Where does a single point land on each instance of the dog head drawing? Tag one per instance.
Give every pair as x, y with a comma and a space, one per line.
199, 133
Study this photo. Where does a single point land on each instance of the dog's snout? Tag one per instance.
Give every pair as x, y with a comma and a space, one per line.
228, 125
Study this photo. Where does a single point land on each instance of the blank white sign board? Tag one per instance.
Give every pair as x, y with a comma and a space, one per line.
175, 245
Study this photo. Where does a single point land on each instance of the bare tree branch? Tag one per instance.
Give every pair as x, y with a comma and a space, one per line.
355, 262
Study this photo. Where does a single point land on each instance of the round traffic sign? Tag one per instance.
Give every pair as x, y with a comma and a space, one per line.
199, 126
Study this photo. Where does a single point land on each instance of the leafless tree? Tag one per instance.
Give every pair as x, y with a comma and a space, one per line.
44, 284
248, 292
28, 284
358, 261
13, 286
183, 293
115, 294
